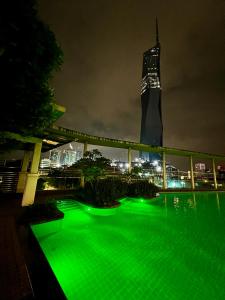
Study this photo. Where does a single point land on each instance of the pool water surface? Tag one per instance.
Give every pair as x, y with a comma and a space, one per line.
170, 247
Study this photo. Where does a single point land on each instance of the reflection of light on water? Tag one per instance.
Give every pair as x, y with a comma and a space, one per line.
218, 202
191, 202
176, 202
194, 200
165, 202
184, 205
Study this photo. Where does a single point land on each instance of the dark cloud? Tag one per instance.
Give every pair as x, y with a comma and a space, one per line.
103, 44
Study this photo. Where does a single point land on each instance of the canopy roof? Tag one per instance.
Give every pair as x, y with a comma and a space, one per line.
56, 136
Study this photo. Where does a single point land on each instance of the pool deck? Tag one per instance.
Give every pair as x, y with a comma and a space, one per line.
14, 277
21, 262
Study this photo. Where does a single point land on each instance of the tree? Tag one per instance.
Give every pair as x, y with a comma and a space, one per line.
136, 171
29, 54
146, 165
92, 165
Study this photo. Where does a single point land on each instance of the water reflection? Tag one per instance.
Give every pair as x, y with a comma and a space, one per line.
194, 201
218, 202
165, 203
189, 203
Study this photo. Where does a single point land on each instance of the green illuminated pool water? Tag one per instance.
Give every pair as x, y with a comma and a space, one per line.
171, 247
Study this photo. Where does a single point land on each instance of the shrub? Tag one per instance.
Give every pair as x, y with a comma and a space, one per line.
41, 184
105, 192
142, 188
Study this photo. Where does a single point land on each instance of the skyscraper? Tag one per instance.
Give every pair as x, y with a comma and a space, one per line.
151, 121
68, 157
54, 157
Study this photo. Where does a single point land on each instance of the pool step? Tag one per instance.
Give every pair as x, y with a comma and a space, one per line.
66, 205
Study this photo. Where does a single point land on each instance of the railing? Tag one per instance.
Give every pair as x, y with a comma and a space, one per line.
9, 174
73, 135
8, 181
175, 180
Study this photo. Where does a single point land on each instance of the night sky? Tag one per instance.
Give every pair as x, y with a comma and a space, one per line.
103, 44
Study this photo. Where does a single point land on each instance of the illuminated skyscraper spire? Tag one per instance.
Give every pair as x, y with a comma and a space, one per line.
157, 31
151, 121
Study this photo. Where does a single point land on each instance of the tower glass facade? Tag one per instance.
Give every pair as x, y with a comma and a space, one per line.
151, 122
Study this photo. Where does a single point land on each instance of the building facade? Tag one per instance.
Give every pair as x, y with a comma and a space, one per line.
54, 157
200, 167
151, 121
67, 157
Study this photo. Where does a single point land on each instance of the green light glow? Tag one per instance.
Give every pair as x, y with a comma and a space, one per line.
171, 247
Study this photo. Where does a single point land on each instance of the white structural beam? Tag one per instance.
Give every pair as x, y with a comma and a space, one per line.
85, 149
129, 160
214, 174
164, 171
23, 173
32, 177
192, 173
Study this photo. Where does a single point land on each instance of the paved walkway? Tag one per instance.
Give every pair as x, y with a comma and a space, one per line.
15, 281
14, 277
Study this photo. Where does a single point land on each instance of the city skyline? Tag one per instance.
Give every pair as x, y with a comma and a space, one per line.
99, 83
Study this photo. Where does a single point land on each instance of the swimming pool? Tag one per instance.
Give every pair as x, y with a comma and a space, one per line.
170, 247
